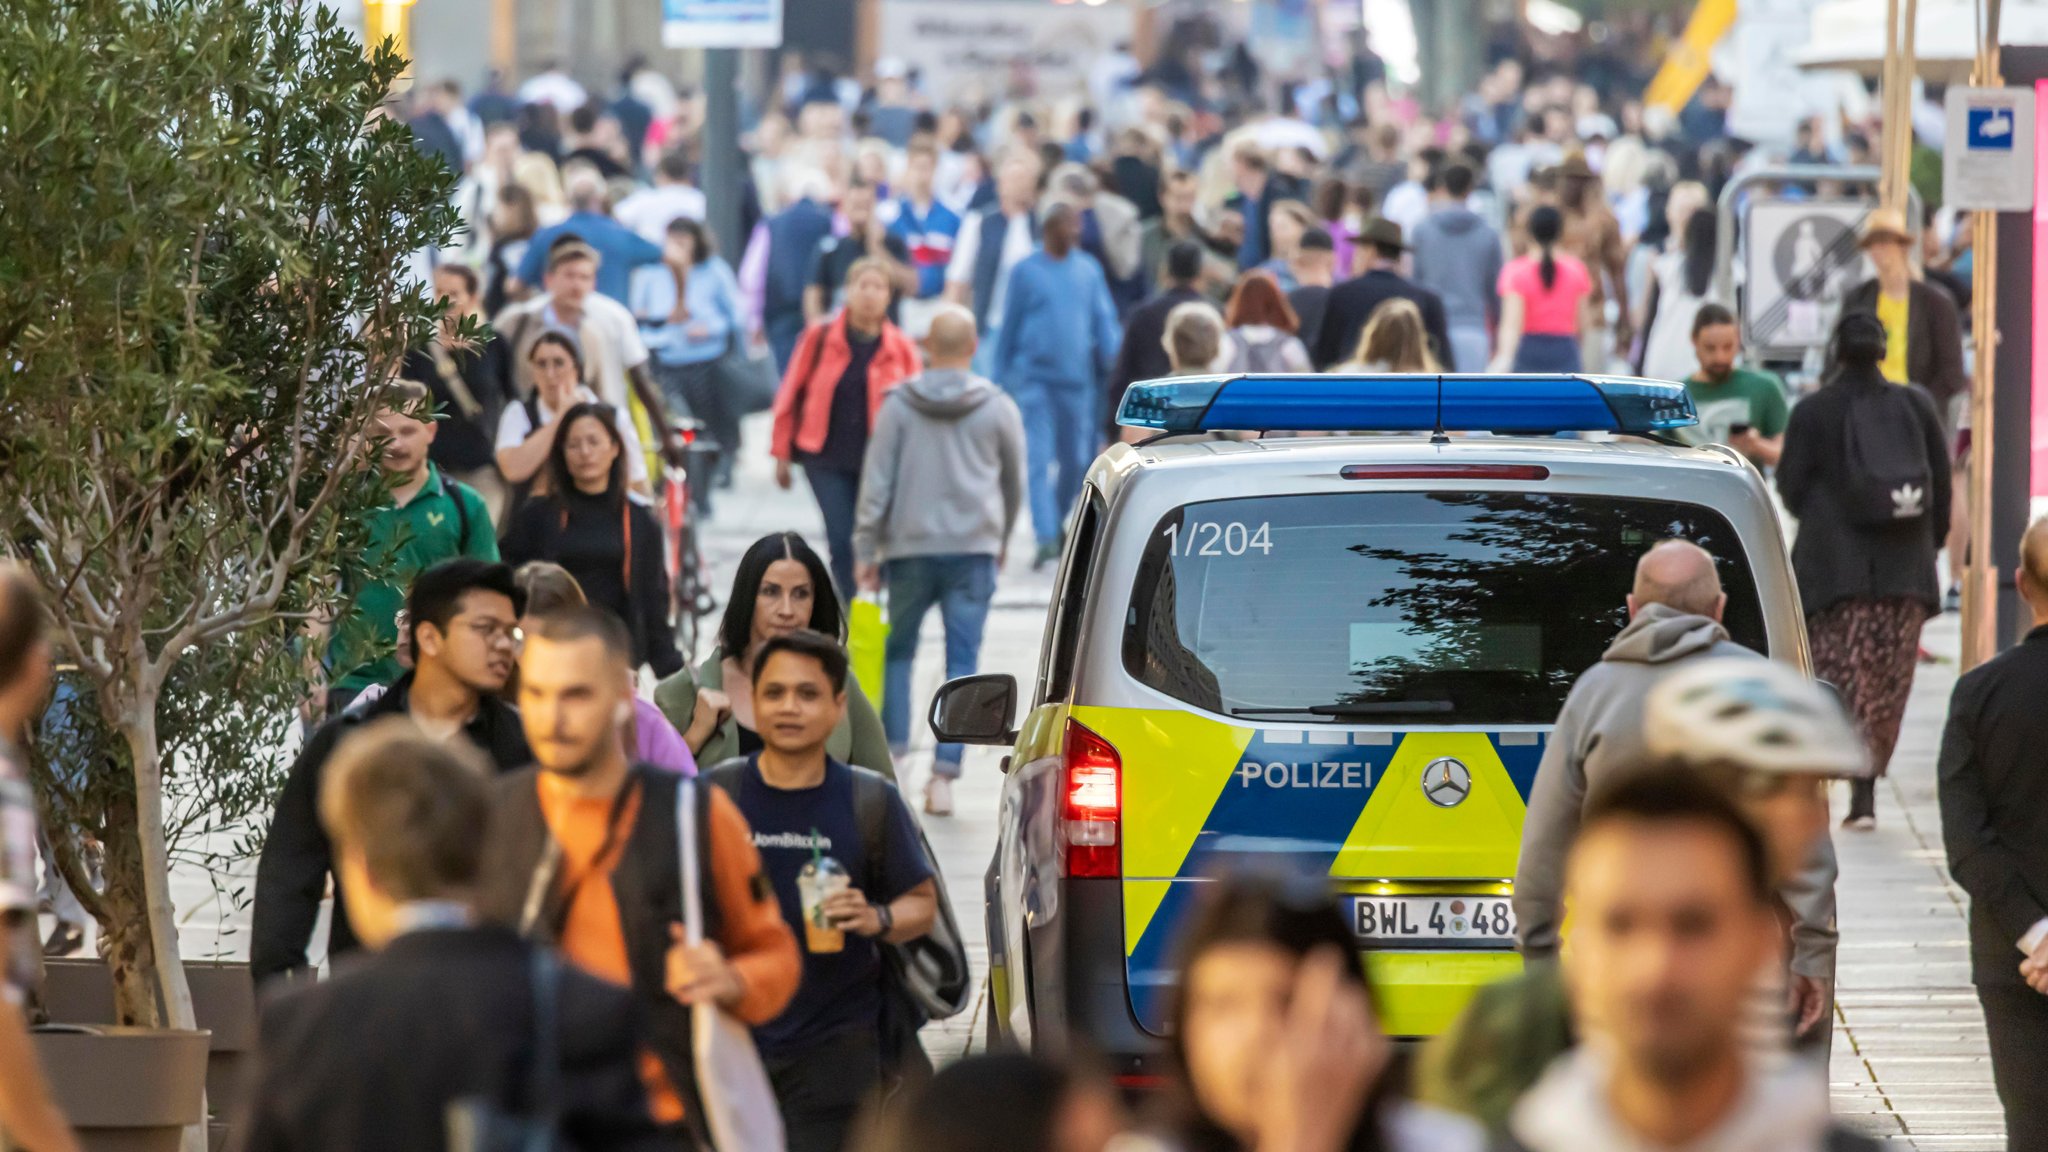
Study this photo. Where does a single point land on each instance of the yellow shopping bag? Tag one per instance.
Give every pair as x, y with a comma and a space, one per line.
867, 636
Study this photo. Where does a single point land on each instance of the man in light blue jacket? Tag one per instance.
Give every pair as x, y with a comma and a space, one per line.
1055, 348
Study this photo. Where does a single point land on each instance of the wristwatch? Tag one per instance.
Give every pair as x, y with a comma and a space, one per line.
884, 917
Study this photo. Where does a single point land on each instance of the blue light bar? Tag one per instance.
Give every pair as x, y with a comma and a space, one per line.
1408, 403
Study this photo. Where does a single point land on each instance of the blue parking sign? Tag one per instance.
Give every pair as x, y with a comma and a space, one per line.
1991, 129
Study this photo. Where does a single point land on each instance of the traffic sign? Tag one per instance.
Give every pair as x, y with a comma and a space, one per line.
721, 23
1988, 161
1800, 257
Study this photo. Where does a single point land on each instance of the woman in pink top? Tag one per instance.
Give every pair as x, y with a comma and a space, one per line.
1542, 303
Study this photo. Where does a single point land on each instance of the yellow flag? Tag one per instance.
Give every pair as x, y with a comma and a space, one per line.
1689, 60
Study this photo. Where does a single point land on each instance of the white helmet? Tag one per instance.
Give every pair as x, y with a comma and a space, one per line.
1755, 714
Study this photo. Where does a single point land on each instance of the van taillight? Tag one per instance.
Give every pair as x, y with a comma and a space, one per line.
1094, 803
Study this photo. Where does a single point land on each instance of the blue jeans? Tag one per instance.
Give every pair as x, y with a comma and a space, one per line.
962, 586
1060, 430
837, 492
783, 331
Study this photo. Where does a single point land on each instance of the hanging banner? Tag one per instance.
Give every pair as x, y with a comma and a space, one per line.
985, 49
1690, 58
721, 23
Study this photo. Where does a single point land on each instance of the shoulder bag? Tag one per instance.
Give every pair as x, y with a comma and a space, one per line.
740, 1111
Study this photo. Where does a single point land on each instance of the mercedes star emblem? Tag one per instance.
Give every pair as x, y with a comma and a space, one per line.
1446, 782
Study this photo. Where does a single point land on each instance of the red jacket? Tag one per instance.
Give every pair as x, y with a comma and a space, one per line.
820, 358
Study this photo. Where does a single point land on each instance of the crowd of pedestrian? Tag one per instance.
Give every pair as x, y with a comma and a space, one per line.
538, 876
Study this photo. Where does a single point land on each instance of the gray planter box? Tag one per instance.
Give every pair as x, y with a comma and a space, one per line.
79, 991
127, 1089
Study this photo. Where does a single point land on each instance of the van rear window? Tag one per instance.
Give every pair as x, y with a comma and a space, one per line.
1407, 607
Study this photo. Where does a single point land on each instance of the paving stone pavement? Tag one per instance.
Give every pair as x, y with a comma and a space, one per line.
1910, 1063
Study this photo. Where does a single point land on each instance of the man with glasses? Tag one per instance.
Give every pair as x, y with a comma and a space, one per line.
462, 620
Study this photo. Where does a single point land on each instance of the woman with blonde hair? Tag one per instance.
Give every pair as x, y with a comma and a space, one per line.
1393, 341
536, 173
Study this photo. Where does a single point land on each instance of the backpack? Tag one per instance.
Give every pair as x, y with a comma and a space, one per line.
1888, 473
1266, 357
924, 979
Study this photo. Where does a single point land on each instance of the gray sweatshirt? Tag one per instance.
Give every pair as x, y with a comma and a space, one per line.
1599, 734
944, 473
1458, 255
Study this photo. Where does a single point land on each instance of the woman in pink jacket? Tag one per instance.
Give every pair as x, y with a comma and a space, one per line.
843, 367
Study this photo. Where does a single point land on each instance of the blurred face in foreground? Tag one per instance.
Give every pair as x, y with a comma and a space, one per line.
571, 697
1237, 996
1665, 944
1791, 812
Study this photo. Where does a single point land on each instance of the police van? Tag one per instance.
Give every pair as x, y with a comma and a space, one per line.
1337, 653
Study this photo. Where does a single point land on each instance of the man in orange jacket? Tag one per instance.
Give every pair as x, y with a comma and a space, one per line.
584, 852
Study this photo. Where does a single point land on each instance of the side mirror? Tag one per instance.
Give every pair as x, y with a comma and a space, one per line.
976, 710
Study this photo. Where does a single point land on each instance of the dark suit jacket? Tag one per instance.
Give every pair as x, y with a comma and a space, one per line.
1351, 306
292, 872
1311, 302
1934, 337
1994, 802
1141, 356
373, 1057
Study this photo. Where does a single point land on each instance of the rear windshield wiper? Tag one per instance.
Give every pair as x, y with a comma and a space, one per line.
1358, 708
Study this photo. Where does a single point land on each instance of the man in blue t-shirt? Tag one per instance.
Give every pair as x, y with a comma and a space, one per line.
824, 1053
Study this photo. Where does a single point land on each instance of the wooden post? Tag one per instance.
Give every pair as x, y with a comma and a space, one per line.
505, 39
1980, 574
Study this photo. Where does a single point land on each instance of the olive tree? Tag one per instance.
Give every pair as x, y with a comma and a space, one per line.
205, 233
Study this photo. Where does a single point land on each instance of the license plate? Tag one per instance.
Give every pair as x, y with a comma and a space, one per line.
1403, 921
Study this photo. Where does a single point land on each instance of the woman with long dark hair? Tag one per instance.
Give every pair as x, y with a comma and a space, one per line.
1680, 281
590, 523
1274, 1042
1865, 469
782, 585
1544, 298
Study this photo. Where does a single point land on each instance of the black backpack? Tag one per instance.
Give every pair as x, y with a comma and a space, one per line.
1889, 475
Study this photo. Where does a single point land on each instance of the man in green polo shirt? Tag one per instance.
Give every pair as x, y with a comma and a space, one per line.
1740, 407
431, 518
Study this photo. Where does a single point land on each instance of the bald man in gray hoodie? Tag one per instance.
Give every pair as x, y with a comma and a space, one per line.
1674, 618
940, 492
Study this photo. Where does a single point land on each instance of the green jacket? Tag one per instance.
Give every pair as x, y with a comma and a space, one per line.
444, 519
1498, 1047
858, 740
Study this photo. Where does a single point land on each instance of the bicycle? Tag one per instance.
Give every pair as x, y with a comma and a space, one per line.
690, 598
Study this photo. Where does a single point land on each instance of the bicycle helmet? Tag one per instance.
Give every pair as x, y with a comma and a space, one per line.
1757, 715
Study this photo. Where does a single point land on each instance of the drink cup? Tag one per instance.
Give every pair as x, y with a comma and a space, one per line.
820, 879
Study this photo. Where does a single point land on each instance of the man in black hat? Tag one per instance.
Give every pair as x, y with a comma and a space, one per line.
1353, 302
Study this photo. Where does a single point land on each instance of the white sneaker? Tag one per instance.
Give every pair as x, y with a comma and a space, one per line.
938, 796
